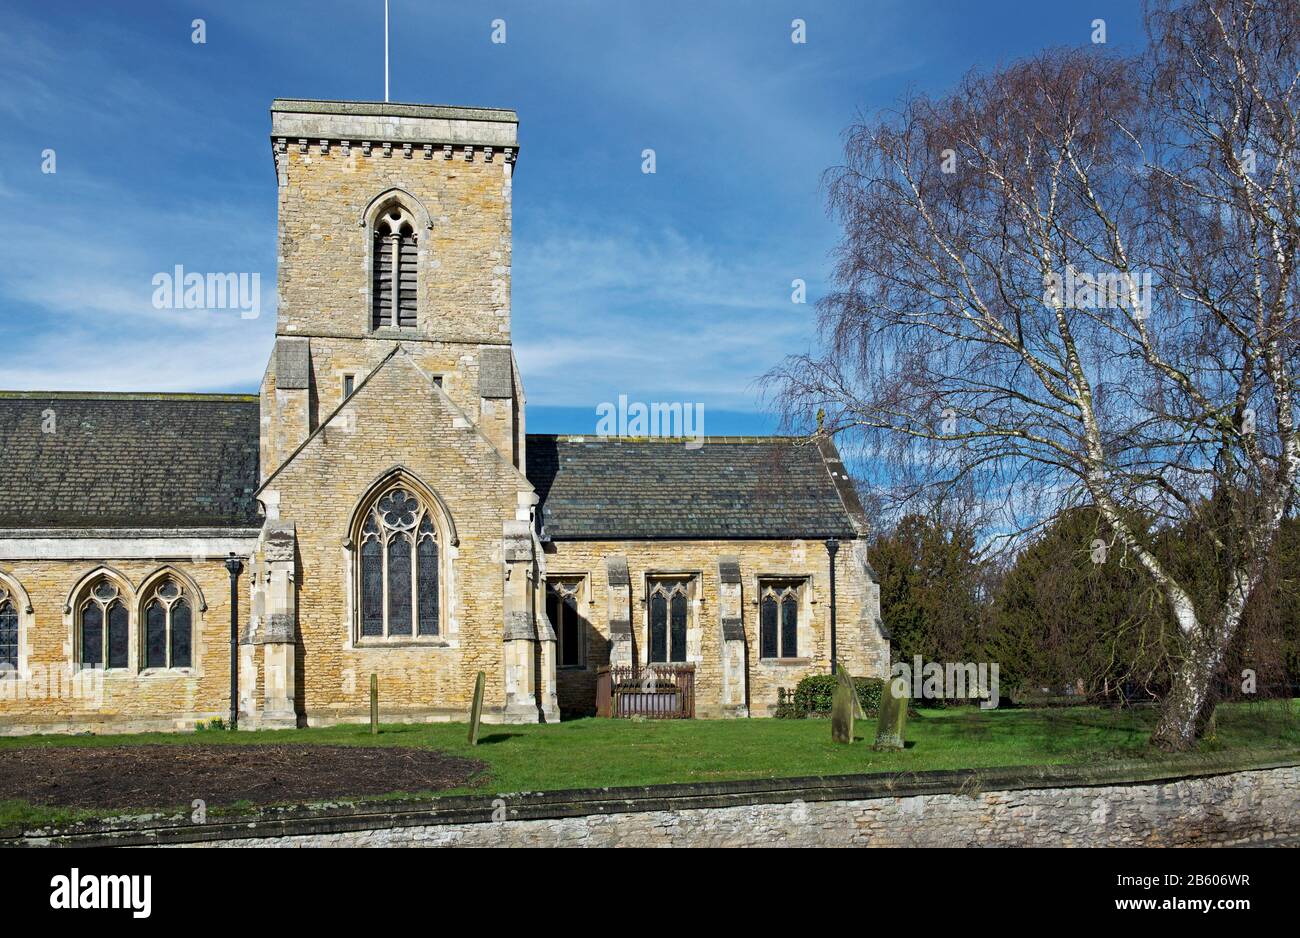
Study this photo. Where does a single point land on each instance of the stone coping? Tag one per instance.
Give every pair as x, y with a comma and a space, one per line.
391, 109
336, 817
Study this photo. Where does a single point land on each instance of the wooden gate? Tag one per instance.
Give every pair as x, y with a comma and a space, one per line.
657, 691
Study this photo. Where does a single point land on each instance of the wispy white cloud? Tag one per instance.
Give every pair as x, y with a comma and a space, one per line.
602, 310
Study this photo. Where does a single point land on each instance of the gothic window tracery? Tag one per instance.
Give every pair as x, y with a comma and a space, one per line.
778, 620
393, 290
8, 632
168, 627
563, 595
103, 627
669, 611
398, 578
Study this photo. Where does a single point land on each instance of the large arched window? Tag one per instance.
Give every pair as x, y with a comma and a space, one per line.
8, 632
398, 577
393, 269
103, 624
168, 617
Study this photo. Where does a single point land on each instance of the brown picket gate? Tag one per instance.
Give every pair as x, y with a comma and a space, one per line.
656, 692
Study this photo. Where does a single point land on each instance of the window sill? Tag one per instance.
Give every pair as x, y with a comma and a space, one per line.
174, 672
572, 667
786, 662
371, 643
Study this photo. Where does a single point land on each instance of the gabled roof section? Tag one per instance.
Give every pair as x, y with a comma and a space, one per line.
396, 354
617, 488
91, 460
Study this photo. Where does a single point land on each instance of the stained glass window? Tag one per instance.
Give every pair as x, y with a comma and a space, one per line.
168, 627
778, 618
104, 627
658, 627
8, 636
92, 634
119, 641
372, 588
789, 626
398, 577
768, 646
155, 635
426, 565
678, 649
669, 612
399, 585
182, 634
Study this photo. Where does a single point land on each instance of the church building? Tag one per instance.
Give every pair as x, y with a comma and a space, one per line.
379, 508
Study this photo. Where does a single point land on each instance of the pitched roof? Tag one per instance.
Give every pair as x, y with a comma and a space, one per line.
596, 488
86, 460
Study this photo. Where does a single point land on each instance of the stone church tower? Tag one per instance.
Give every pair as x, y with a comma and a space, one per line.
393, 373
378, 507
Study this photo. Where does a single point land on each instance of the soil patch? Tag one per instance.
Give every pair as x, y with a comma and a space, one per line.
167, 776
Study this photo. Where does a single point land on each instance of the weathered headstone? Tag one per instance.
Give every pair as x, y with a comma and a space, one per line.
476, 708
374, 704
844, 705
893, 715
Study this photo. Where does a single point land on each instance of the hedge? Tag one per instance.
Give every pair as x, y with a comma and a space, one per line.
812, 696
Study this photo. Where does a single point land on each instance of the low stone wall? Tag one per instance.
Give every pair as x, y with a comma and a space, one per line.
1188, 802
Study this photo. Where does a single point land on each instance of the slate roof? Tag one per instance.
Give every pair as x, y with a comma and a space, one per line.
594, 488
191, 461
128, 460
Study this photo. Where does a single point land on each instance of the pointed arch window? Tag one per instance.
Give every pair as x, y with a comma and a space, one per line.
103, 627
394, 278
398, 577
563, 608
669, 613
778, 618
8, 633
168, 627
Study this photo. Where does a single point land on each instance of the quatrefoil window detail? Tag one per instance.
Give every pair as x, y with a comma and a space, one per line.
398, 577
398, 509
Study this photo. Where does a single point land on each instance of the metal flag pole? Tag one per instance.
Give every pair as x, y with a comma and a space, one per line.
385, 51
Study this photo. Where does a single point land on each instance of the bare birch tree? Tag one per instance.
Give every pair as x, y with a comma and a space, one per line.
1073, 281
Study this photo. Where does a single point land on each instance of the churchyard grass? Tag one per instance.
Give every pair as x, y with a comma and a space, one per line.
590, 753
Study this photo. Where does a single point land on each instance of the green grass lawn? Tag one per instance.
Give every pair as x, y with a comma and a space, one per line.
598, 753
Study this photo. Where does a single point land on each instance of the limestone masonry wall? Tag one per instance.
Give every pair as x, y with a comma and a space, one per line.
1240, 808
861, 647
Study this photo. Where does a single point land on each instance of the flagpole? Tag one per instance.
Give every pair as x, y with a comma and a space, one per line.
385, 51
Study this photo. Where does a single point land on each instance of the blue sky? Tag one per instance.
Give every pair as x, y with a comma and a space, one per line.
666, 287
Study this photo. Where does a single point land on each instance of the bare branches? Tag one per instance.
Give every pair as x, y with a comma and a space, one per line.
1073, 281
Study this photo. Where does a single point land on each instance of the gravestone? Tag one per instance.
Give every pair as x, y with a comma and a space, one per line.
893, 715
844, 706
476, 708
374, 704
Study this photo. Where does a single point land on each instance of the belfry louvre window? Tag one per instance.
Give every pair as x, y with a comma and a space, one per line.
8, 634
778, 618
563, 601
168, 628
669, 610
103, 628
393, 290
398, 575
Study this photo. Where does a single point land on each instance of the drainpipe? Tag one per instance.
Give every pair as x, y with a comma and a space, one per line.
832, 548
234, 566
